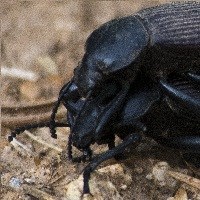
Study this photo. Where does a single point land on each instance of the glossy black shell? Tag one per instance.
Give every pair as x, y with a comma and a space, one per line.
159, 40
174, 37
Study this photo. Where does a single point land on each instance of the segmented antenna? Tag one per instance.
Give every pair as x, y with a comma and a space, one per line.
19, 130
52, 124
69, 147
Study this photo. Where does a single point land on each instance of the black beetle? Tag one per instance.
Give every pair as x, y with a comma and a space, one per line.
130, 65
147, 108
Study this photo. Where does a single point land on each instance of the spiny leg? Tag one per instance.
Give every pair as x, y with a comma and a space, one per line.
131, 139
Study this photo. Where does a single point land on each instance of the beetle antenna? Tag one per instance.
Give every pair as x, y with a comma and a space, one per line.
19, 130
69, 146
52, 125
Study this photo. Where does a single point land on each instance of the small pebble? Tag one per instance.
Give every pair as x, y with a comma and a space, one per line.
15, 182
123, 187
30, 180
149, 176
138, 170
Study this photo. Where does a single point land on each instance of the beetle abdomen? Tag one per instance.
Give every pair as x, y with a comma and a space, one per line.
177, 23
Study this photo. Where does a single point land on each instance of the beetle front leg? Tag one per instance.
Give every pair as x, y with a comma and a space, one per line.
131, 139
183, 96
111, 145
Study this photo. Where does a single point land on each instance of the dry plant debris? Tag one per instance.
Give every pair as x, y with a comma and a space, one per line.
20, 115
45, 144
191, 181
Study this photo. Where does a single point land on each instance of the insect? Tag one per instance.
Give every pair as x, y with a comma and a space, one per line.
134, 67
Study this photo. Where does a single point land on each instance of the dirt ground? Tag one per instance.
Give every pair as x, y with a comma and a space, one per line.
45, 41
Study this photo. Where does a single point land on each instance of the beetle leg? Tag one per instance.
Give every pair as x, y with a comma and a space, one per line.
111, 108
131, 139
69, 147
183, 96
52, 126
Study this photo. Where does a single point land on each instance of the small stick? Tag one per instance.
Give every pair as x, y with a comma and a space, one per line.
194, 182
37, 193
57, 179
19, 73
21, 147
39, 140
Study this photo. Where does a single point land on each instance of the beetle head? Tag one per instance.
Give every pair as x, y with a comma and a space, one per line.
94, 109
87, 76
112, 47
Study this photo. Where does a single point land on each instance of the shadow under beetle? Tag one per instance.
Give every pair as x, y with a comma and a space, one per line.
139, 74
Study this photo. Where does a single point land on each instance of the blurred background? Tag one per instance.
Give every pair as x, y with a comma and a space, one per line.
42, 42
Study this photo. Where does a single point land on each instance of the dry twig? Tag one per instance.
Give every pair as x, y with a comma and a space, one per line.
19, 73
21, 148
21, 115
194, 182
38, 193
39, 140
